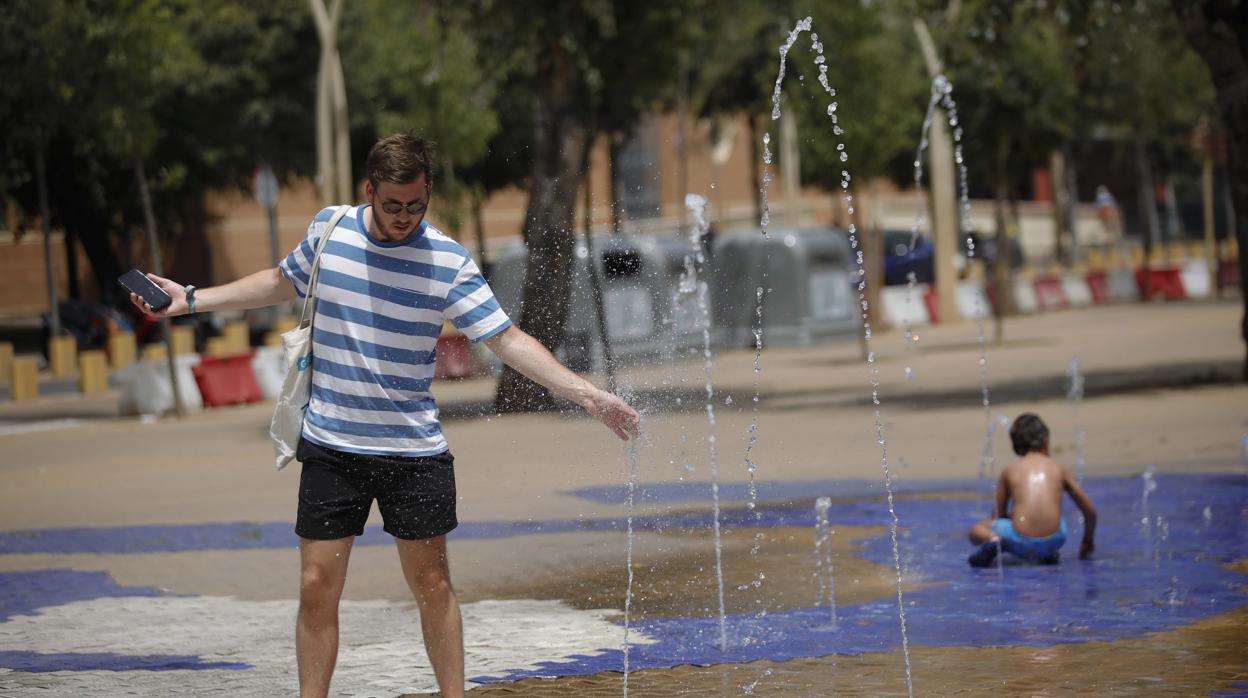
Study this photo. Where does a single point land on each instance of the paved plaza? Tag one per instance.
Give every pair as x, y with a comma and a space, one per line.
158, 557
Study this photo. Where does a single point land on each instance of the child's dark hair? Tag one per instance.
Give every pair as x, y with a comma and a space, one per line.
1029, 434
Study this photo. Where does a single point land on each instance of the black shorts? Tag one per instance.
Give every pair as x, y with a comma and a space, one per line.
416, 496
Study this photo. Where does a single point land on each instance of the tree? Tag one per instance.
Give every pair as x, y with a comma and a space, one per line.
197, 89
585, 66
1216, 29
417, 67
1138, 78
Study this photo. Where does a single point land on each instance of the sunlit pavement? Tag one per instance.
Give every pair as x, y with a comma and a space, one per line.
159, 558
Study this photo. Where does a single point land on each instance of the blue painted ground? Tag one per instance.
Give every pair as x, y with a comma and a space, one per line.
1145, 577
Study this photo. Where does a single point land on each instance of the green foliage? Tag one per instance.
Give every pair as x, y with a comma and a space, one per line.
1136, 72
881, 90
411, 68
199, 89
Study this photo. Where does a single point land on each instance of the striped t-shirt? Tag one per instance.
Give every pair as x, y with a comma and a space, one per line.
380, 307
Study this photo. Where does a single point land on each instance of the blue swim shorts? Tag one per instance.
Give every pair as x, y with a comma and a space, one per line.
1026, 546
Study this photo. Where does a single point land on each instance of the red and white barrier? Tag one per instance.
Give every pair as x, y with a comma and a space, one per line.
905, 307
973, 302
1075, 289
1049, 292
1196, 279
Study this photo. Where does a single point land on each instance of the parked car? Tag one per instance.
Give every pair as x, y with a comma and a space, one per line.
905, 252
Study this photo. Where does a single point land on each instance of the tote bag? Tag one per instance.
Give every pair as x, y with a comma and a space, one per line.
287, 424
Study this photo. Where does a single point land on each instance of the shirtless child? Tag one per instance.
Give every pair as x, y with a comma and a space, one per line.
1034, 528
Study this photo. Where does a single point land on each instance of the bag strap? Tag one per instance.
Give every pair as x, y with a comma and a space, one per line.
305, 317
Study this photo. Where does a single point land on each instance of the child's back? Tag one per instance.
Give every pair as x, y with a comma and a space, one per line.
1034, 484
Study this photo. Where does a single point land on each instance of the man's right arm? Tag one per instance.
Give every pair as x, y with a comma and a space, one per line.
266, 287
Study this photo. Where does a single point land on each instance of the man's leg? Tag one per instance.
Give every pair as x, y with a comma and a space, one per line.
429, 577
323, 574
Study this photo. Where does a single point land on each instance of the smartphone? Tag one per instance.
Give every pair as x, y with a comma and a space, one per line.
137, 282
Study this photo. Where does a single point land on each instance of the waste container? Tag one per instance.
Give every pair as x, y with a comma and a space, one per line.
809, 276
645, 316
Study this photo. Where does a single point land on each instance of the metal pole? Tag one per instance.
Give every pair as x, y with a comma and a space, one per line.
273, 247
158, 269
41, 175
1206, 190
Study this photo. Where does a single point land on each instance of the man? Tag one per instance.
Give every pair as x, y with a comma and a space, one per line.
1033, 528
386, 283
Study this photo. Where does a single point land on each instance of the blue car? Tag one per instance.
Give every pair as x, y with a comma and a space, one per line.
901, 258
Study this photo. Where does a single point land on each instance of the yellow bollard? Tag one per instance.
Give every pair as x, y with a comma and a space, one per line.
155, 352
6, 361
121, 349
25, 379
92, 372
285, 324
217, 346
62, 356
237, 337
183, 340
1096, 260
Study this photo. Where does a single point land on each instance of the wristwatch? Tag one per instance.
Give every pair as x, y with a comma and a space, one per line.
190, 299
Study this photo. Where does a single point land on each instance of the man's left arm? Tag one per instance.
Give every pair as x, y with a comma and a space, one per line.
527, 355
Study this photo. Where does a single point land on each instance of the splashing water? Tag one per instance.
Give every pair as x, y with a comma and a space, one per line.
628, 593
848, 199
1149, 486
942, 97
944, 89
748, 688
1075, 397
912, 339
751, 468
823, 556
693, 261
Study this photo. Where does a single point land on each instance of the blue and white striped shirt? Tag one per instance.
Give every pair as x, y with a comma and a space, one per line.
380, 307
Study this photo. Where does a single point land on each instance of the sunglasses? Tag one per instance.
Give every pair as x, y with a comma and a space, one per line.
415, 208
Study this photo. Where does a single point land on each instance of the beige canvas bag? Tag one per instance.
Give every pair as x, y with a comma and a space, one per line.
292, 402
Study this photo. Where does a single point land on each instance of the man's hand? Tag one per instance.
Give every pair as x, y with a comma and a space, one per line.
1086, 549
175, 291
615, 413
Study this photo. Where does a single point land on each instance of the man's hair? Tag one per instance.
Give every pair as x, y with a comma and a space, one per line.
1029, 434
400, 158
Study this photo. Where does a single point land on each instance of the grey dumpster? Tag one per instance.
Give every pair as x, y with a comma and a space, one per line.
646, 319
808, 272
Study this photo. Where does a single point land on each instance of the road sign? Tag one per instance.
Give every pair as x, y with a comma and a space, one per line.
264, 185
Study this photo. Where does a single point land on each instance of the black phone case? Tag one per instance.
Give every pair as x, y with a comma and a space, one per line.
137, 282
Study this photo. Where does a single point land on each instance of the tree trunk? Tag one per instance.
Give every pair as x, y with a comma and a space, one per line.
615, 144
1147, 201
561, 142
1001, 266
1215, 30
45, 217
